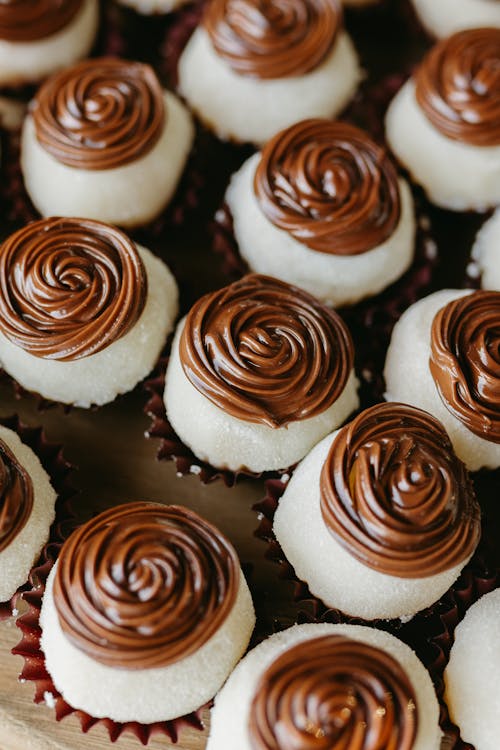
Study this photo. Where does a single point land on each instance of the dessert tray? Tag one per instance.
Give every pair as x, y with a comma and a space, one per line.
116, 461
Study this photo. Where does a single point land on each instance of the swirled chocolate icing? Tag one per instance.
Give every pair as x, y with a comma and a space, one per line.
16, 496
465, 361
273, 38
266, 352
396, 497
69, 287
333, 693
144, 585
330, 186
100, 114
458, 86
30, 20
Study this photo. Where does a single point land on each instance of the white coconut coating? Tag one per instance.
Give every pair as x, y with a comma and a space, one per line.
443, 17
227, 442
332, 574
18, 558
229, 720
252, 110
129, 195
100, 377
408, 378
486, 252
29, 62
153, 7
336, 280
145, 695
472, 677
455, 175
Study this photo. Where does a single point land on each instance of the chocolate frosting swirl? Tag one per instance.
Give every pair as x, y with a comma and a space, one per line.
330, 186
465, 361
16, 496
458, 86
396, 497
144, 585
100, 114
273, 38
333, 693
30, 20
69, 287
266, 352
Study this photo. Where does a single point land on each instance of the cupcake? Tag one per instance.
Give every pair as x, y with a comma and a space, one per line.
444, 124
104, 141
252, 67
145, 614
486, 253
322, 207
38, 37
259, 372
84, 311
443, 357
380, 518
446, 16
327, 686
471, 677
27, 510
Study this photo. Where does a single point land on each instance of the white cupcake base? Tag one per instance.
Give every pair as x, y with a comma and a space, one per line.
18, 558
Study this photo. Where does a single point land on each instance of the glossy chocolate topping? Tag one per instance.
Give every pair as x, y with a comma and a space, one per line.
69, 287
330, 186
16, 496
31, 20
273, 38
144, 585
100, 114
396, 497
458, 86
266, 352
333, 693
465, 361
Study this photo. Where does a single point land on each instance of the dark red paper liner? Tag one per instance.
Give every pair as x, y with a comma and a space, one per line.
60, 472
181, 25
34, 669
171, 447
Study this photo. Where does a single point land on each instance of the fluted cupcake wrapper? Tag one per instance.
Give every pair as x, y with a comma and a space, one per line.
171, 447
429, 633
60, 472
34, 669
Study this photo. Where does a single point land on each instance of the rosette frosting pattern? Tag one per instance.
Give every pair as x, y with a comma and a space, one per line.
29, 20
100, 114
69, 287
333, 693
465, 361
396, 497
144, 585
273, 38
330, 186
16, 496
266, 352
458, 86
